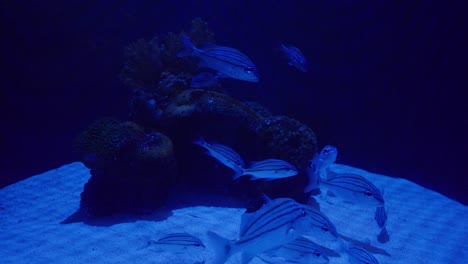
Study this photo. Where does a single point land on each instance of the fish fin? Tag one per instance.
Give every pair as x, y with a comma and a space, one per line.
238, 173
188, 47
222, 247
199, 141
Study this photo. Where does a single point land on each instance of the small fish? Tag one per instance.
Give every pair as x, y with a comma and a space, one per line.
177, 243
352, 188
381, 219
228, 61
294, 56
205, 79
380, 216
278, 222
302, 250
319, 165
269, 169
223, 154
358, 255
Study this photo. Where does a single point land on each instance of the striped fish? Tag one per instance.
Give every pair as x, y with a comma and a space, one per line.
318, 166
358, 255
177, 243
294, 56
227, 61
380, 216
223, 154
278, 222
269, 169
322, 229
352, 188
303, 250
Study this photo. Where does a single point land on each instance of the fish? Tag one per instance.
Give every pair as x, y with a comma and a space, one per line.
380, 216
352, 188
268, 169
322, 229
294, 56
224, 154
358, 255
230, 62
177, 243
319, 165
205, 79
381, 219
302, 250
278, 222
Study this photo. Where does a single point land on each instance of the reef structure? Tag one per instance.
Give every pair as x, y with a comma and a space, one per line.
135, 163
132, 170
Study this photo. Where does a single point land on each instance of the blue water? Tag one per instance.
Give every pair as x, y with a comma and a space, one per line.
385, 85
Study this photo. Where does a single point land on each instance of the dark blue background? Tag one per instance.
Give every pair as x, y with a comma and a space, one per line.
386, 83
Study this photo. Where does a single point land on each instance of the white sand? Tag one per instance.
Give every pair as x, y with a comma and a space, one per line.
424, 226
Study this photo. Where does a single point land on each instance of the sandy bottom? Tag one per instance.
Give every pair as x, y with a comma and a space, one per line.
424, 226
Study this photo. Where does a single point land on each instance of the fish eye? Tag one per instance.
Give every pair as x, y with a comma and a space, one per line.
248, 70
197, 244
368, 193
325, 228
317, 254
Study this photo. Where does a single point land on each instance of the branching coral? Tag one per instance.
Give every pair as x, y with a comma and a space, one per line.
145, 61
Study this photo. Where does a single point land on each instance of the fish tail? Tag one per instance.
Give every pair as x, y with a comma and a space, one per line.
188, 47
238, 173
222, 247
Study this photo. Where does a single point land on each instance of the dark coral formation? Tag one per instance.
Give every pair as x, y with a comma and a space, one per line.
146, 61
133, 166
132, 170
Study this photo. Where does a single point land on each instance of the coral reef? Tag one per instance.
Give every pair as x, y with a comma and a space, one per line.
146, 61
132, 170
133, 166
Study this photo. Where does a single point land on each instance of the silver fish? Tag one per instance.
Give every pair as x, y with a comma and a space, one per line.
358, 255
322, 229
228, 61
294, 56
278, 222
319, 165
302, 250
352, 188
177, 243
380, 216
269, 169
223, 154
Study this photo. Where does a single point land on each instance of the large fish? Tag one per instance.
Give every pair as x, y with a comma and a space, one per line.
278, 222
319, 165
301, 250
227, 61
223, 154
322, 229
268, 169
352, 188
358, 255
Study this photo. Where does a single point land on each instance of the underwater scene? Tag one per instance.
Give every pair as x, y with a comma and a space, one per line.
210, 132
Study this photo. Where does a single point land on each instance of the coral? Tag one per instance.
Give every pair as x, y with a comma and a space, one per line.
146, 61
288, 139
132, 170
108, 138
143, 64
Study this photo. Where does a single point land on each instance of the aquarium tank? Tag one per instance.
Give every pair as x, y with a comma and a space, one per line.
215, 132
